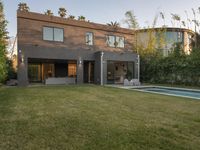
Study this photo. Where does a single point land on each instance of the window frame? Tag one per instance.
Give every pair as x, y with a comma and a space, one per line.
119, 38
115, 37
53, 33
92, 39
44, 35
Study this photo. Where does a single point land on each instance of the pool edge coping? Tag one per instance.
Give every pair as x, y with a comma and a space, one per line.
136, 88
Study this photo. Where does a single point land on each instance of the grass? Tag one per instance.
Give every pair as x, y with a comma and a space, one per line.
96, 118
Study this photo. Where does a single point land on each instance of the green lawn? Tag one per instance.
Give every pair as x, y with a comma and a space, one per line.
96, 118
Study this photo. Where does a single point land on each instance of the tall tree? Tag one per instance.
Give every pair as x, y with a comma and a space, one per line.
3, 44
131, 20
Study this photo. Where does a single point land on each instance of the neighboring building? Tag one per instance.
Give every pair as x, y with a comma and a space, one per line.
165, 39
54, 47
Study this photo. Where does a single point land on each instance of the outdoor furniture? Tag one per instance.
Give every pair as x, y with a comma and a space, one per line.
133, 82
126, 82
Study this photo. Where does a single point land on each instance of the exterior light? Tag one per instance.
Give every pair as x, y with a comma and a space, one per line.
22, 59
80, 61
21, 56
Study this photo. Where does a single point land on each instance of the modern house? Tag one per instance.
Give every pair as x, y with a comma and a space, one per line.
165, 39
54, 50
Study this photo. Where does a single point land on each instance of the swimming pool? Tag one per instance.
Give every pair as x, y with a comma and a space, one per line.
181, 92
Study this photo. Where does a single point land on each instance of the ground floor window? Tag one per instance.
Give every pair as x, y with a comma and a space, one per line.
48, 70
34, 72
72, 69
40, 70
117, 71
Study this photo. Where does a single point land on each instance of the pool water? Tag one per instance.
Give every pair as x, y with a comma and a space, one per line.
173, 91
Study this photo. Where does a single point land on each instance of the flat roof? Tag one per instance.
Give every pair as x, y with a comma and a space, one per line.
72, 22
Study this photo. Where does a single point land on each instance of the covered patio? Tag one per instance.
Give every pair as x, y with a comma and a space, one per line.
52, 71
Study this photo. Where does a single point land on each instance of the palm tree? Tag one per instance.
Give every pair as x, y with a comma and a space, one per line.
62, 12
113, 24
48, 12
23, 7
81, 18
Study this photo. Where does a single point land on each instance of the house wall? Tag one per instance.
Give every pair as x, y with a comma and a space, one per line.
31, 44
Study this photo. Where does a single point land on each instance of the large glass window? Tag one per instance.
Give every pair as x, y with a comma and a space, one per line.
110, 72
130, 71
48, 33
49, 70
58, 34
72, 69
115, 41
34, 73
174, 37
53, 34
117, 71
111, 41
89, 38
120, 41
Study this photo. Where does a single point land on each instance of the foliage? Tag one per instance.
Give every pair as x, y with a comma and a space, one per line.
62, 12
11, 73
3, 44
131, 20
155, 43
48, 12
23, 7
81, 18
177, 68
113, 24
176, 17
71, 17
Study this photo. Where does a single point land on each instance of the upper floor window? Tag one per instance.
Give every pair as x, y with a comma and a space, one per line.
115, 41
53, 34
89, 38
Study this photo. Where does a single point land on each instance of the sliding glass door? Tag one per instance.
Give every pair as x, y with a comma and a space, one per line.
34, 72
117, 71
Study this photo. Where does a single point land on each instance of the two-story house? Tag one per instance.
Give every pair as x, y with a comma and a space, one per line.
51, 48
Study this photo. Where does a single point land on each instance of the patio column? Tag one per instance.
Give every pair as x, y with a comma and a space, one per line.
102, 71
138, 67
80, 71
22, 73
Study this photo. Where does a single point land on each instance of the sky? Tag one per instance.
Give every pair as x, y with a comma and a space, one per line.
105, 11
